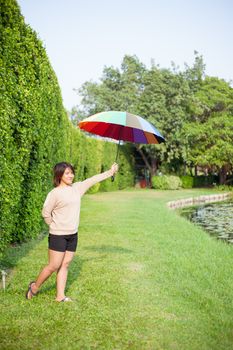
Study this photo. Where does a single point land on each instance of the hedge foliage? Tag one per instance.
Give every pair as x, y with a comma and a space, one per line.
187, 181
35, 132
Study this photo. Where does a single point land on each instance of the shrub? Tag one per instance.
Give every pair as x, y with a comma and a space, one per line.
187, 181
166, 182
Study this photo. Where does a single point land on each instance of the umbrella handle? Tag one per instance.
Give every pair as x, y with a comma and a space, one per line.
113, 177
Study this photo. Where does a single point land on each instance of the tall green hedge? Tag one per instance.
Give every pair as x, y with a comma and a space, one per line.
35, 132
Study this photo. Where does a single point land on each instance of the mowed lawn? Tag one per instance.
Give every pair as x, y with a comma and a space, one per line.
142, 278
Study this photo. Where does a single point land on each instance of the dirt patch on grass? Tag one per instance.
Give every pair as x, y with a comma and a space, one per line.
135, 267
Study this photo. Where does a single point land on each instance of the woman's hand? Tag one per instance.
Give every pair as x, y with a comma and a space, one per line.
114, 169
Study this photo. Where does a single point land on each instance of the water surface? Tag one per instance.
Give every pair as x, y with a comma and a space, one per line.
215, 218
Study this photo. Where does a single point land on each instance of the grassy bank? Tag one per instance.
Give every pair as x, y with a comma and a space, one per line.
143, 278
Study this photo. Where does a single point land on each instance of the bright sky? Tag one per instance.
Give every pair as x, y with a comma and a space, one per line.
83, 36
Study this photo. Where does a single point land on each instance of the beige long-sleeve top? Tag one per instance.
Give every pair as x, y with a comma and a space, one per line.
61, 208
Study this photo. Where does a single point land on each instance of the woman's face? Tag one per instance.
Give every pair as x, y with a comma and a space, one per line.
67, 177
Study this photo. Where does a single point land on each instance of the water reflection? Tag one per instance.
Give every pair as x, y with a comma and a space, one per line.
216, 219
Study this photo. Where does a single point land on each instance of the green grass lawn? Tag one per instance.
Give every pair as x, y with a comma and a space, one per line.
142, 278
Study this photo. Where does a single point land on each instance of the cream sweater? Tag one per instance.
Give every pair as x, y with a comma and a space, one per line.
61, 208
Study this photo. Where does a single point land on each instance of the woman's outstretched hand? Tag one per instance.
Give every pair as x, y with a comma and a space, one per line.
114, 169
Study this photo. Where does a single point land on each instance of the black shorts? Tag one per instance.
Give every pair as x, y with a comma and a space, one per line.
61, 243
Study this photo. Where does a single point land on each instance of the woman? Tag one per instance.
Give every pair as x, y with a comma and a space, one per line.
61, 212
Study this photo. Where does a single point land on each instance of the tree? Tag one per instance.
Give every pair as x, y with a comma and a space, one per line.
165, 101
118, 90
209, 131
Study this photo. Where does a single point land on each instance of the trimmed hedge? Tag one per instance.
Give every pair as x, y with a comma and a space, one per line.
166, 182
30, 93
35, 132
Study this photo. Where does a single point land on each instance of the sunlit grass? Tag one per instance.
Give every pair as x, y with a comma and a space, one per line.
142, 278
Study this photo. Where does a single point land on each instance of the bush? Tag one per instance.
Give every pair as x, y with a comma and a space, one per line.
166, 182
187, 181
205, 181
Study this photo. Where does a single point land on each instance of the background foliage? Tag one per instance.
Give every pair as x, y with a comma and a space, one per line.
193, 112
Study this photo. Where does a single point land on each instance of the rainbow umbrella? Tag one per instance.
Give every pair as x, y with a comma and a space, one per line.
122, 126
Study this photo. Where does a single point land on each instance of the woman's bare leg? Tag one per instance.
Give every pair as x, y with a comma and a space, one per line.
62, 275
55, 261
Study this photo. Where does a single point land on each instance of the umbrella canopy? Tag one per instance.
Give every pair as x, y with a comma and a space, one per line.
122, 126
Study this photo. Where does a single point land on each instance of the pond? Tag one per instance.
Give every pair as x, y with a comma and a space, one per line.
216, 219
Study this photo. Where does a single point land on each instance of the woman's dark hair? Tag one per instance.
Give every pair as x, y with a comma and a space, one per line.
59, 170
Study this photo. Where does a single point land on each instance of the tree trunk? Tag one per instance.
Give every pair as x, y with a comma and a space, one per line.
144, 158
223, 175
151, 166
154, 166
